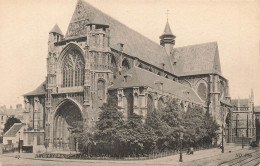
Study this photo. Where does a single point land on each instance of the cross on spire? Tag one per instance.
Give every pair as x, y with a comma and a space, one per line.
167, 13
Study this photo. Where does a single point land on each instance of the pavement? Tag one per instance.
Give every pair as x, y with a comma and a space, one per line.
204, 157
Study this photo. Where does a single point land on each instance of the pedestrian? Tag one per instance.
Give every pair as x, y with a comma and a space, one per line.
191, 150
188, 152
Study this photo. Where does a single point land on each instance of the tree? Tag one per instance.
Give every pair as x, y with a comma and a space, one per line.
10, 122
160, 128
200, 128
136, 137
172, 116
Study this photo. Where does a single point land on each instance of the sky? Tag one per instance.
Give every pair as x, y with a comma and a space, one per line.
234, 25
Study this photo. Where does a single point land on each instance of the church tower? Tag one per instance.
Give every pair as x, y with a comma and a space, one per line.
167, 39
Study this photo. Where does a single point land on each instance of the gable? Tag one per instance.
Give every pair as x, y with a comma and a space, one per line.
135, 44
196, 59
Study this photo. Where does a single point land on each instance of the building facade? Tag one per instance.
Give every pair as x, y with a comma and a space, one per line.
244, 118
100, 57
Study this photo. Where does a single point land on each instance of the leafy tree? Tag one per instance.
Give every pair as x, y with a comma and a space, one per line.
171, 113
172, 116
160, 128
136, 137
10, 122
200, 128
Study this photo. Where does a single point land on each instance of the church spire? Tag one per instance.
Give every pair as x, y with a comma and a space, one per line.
167, 38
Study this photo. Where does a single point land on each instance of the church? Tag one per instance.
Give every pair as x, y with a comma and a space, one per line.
100, 57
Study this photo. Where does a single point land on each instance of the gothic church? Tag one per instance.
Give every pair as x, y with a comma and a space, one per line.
99, 56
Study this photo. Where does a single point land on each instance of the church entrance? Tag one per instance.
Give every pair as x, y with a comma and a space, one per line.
68, 123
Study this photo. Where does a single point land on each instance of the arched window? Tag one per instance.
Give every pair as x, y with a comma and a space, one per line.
101, 89
202, 91
125, 65
150, 104
160, 104
114, 66
135, 99
73, 69
222, 90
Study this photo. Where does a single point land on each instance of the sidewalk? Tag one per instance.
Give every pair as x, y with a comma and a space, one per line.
170, 160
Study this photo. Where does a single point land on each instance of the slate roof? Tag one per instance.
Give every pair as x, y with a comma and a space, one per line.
56, 29
135, 44
243, 102
14, 130
196, 59
40, 90
137, 77
257, 109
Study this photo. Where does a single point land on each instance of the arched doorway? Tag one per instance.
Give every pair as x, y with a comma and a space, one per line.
68, 121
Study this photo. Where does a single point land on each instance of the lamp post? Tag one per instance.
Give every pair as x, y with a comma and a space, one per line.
181, 137
222, 138
19, 142
242, 140
236, 123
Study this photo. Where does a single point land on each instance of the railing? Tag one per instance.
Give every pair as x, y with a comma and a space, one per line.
107, 157
9, 148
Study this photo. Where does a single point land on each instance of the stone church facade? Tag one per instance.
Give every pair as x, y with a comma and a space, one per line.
100, 57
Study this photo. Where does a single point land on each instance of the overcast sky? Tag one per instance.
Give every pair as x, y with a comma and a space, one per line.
235, 25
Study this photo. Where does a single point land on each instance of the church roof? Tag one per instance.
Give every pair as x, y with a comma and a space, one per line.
196, 59
56, 29
135, 44
243, 102
40, 90
14, 130
257, 109
137, 77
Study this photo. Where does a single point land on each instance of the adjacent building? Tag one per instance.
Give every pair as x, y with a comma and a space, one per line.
243, 118
3, 119
14, 135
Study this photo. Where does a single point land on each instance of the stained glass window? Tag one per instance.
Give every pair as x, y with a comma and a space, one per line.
101, 89
73, 69
202, 91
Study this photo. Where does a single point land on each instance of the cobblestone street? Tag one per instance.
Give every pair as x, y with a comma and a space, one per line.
234, 155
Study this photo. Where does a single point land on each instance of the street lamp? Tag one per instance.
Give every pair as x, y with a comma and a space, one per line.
181, 137
222, 138
242, 140
19, 142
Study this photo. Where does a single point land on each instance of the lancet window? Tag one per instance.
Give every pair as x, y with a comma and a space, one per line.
73, 69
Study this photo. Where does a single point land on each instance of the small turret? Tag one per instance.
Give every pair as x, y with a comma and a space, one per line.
98, 34
252, 96
167, 39
56, 33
